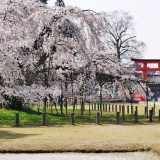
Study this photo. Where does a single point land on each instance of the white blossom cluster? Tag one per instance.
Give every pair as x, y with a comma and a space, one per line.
44, 50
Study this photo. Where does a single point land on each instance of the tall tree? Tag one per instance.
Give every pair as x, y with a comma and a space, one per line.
121, 37
60, 3
44, 1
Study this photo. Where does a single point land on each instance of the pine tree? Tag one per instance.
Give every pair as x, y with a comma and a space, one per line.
60, 3
44, 1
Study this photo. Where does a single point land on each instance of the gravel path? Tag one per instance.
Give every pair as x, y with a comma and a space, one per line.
81, 156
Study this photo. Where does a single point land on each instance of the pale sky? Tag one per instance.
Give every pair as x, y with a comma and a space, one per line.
146, 14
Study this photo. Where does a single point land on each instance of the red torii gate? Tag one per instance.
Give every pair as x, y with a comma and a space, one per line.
145, 69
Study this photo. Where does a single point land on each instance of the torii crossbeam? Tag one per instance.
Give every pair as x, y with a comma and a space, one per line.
144, 68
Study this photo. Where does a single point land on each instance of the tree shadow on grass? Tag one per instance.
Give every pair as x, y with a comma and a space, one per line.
12, 135
31, 111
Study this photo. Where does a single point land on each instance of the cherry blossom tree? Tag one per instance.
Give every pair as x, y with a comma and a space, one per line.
51, 50
38, 42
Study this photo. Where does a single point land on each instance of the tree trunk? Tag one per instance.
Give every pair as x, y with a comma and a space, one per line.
101, 99
55, 105
82, 105
66, 105
44, 111
61, 103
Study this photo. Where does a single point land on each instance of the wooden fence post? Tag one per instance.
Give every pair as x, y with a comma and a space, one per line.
131, 110
159, 116
112, 107
109, 108
116, 108
150, 115
123, 112
98, 106
103, 107
154, 111
127, 109
106, 108
98, 118
118, 118
95, 107
136, 116
136, 109
120, 108
145, 111
17, 119
72, 118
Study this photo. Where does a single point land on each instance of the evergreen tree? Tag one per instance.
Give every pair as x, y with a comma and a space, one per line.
60, 3
44, 1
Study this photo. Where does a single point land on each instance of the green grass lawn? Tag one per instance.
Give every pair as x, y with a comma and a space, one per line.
32, 117
84, 136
